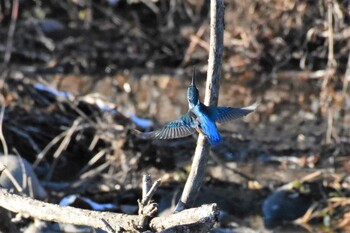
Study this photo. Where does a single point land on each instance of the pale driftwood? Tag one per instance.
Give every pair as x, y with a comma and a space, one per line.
65, 214
202, 217
199, 219
200, 157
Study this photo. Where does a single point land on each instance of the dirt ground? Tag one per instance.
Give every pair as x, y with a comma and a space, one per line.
77, 77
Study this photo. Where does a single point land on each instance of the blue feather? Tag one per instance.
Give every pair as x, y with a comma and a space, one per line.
224, 114
207, 126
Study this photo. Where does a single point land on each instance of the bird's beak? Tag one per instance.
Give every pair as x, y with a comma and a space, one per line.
194, 76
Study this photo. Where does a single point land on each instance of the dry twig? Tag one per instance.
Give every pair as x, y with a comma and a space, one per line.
200, 158
204, 217
195, 40
2, 138
9, 42
346, 77
63, 146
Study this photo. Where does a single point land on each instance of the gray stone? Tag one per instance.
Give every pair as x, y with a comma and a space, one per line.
22, 172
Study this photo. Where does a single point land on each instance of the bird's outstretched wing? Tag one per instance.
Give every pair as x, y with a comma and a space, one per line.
224, 114
181, 127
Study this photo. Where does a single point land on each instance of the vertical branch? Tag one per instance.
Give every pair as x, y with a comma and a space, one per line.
215, 52
331, 66
5, 150
200, 158
346, 77
331, 63
9, 42
146, 185
195, 178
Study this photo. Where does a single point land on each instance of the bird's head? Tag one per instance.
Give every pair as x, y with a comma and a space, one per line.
192, 92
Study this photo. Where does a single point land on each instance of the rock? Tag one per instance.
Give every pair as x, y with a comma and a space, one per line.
22, 172
283, 206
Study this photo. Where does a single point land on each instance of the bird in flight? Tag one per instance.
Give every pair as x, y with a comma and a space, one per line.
200, 118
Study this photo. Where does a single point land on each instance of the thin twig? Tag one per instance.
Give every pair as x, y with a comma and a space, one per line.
93, 160
53, 142
146, 186
150, 193
83, 179
63, 146
9, 42
148, 208
152, 6
4, 170
2, 138
94, 172
27, 137
331, 63
200, 158
195, 40
108, 227
24, 175
346, 77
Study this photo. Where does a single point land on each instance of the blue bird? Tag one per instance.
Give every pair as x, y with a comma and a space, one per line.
200, 118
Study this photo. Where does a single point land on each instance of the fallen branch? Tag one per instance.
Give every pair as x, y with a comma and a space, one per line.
65, 214
197, 218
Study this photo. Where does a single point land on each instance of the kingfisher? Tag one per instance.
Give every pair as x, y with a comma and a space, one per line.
200, 118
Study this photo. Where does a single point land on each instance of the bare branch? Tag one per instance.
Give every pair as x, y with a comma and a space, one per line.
9, 42
331, 60
200, 158
63, 146
215, 52
150, 193
146, 186
199, 219
204, 217
2, 138
66, 214
147, 207
346, 77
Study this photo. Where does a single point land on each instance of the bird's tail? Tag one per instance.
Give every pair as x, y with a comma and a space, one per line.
211, 131
214, 141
